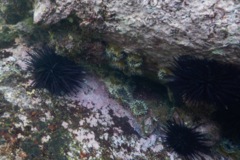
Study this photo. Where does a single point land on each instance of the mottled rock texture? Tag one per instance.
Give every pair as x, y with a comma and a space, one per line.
113, 116
155, 29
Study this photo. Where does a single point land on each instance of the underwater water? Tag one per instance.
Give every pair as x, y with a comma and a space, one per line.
67, 94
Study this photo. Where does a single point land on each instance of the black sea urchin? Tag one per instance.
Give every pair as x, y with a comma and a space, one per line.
57, 74
203, 81
186, 141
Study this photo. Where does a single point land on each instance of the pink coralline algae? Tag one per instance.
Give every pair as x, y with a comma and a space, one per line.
94, 96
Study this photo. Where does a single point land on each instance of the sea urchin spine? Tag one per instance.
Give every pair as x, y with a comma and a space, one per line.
186, 141
202, 81
53, 72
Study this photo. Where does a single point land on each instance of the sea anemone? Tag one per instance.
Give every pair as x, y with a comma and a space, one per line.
138, 107
186, 141
202, 81
53, 72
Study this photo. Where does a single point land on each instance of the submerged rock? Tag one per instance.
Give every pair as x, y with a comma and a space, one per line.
155, 30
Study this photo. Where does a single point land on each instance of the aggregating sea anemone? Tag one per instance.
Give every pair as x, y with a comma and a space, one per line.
186, 141
53, 72
202, 81
138, 107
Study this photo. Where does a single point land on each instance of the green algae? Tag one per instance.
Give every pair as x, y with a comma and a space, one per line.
13, 11
8, 34
12, 14
69, 38
31, 149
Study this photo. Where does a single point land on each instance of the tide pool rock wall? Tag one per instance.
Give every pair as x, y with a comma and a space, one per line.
153, 31
117, 115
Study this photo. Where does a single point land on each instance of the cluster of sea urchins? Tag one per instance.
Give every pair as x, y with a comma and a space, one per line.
205, 82
200, 81
56, 73
185, 140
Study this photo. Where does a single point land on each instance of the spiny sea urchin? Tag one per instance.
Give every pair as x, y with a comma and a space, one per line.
202, 81
186, 141
56, 73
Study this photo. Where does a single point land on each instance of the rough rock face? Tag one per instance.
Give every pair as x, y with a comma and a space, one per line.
155, 29
113, 116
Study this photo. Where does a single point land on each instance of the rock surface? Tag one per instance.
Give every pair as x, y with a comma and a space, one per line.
89, 125
155, 29
113, 116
